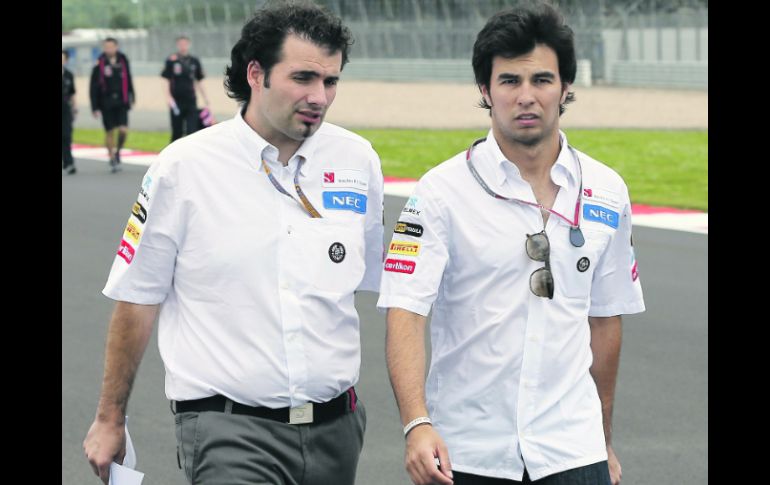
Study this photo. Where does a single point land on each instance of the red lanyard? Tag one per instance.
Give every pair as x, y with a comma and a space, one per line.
576, 235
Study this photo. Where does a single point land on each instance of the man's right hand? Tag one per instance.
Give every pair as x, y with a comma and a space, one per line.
96, 114
423, 445
105, 443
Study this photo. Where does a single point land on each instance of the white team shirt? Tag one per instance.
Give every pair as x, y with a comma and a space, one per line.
257, 297
509, 381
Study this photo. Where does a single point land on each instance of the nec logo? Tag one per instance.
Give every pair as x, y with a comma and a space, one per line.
351, 201
126, 252
400, 266
597, 213
329, 177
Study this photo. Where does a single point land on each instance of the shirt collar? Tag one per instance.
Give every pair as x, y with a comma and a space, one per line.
563, 171
258, 148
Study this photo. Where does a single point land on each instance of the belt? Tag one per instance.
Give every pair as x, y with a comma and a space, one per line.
307, 413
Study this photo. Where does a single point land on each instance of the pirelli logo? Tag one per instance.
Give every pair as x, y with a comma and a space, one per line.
404, 247
133, 233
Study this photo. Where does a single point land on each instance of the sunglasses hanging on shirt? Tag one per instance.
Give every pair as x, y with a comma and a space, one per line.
575, 234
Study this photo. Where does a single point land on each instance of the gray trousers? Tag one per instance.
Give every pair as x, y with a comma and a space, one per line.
217, 448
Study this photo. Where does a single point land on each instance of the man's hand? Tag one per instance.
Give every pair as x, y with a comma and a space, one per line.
616, 473
127, 337
104, 443
423, 445
96, 114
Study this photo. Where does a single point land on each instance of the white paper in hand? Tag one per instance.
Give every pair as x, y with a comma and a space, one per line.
125, 474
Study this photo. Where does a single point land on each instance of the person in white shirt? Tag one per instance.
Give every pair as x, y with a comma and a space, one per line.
250, 239
521, 246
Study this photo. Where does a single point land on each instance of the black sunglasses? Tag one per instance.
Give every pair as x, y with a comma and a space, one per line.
539, 249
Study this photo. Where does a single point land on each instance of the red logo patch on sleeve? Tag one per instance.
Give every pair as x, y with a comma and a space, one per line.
126, 252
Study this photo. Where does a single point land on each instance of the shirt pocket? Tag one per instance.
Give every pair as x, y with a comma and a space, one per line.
573, 274
329, 254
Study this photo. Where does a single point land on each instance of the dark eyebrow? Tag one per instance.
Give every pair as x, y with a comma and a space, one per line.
505, 76
308, 74
545, 74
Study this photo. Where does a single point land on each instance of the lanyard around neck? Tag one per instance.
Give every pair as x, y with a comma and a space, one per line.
305, 203
576, 235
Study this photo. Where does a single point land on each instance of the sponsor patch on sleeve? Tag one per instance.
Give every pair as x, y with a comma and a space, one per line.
404, 247
144, 189
132, 233
126, 251
139, 212
408, 228
412, 206
634, 262
399, 266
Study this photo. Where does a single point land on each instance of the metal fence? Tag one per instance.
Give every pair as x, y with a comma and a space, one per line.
624, 42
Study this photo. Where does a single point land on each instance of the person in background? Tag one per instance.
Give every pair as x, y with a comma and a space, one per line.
68, 112
112, 95
182, 76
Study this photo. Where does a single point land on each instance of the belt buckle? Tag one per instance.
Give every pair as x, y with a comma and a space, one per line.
301, 414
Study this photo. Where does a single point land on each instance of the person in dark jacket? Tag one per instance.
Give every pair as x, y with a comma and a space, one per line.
112, 95
68, 112
182, 75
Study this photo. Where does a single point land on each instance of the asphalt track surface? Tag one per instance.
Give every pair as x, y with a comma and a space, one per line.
661, 408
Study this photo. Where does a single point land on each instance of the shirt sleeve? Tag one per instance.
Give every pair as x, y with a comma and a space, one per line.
72, 84
167, 69
199, 71
616, 288
417, 254
94, 89
131, 93
374, 227
143, 269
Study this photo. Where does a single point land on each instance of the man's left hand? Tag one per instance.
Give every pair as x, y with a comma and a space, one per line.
616, 473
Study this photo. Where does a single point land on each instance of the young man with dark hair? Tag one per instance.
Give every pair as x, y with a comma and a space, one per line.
251, 238
112, 95
528, 269
182, 76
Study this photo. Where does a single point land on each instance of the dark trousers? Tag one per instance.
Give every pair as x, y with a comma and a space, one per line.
66, 137
595, 474
218, 448
185, 122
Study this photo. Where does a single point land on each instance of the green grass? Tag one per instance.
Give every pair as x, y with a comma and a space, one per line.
149, 141
668, 168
